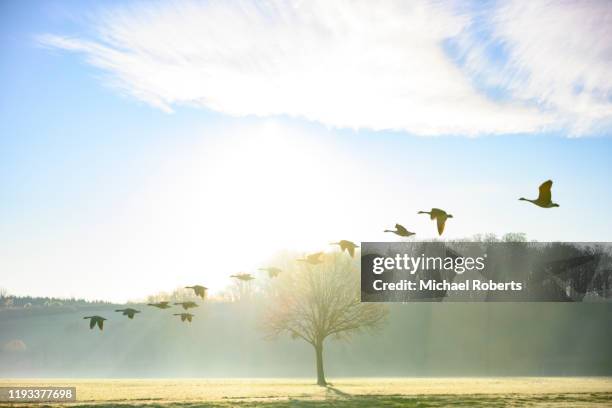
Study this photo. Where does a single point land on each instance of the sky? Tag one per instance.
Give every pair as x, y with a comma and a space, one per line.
146, 146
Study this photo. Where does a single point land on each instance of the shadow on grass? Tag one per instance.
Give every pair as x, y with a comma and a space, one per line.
335, 392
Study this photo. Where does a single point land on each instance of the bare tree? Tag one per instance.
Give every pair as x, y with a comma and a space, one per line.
239, 291
314, 302
9, 302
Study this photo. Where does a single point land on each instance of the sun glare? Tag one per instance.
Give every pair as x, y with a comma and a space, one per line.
237, 200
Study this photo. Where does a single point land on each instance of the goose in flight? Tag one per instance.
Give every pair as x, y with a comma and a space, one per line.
187, 305
93, 320
129, 312
312, 259
160, 305
243, 276
347, 246
272, 271
440, 216
544, 199
401, 231
199, 290
185, 316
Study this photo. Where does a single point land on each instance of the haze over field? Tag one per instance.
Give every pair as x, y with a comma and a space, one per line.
224, 340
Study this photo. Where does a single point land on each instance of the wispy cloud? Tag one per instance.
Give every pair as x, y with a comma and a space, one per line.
363, 65
556, 54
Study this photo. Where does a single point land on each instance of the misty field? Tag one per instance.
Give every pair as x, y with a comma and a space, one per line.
364, 392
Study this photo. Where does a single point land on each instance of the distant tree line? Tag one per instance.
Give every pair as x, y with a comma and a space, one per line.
8, 301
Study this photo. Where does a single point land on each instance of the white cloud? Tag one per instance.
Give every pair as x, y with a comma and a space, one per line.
557, 54
356, 64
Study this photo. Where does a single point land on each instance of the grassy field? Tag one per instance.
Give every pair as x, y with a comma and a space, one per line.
375, 392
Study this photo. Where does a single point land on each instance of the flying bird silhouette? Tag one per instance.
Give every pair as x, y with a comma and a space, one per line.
199, 290
243, 276
187, 305
440, 216
312, 259
160, 305
401, 231
129, 312
93, 320
544, 199
185, 316
347, 246
272, 271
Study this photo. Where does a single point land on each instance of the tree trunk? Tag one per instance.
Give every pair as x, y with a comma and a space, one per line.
320, 374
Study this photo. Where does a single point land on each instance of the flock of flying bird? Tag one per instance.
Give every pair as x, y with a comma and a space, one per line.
544, 200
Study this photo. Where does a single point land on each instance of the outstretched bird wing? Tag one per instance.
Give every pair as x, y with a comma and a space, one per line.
441, 223
92, 323
436, 212
312, 259
545, 195
188, 318
100, 324
401, 229
273, 272
348, 246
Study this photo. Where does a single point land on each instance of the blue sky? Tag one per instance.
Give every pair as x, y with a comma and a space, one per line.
134, 145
